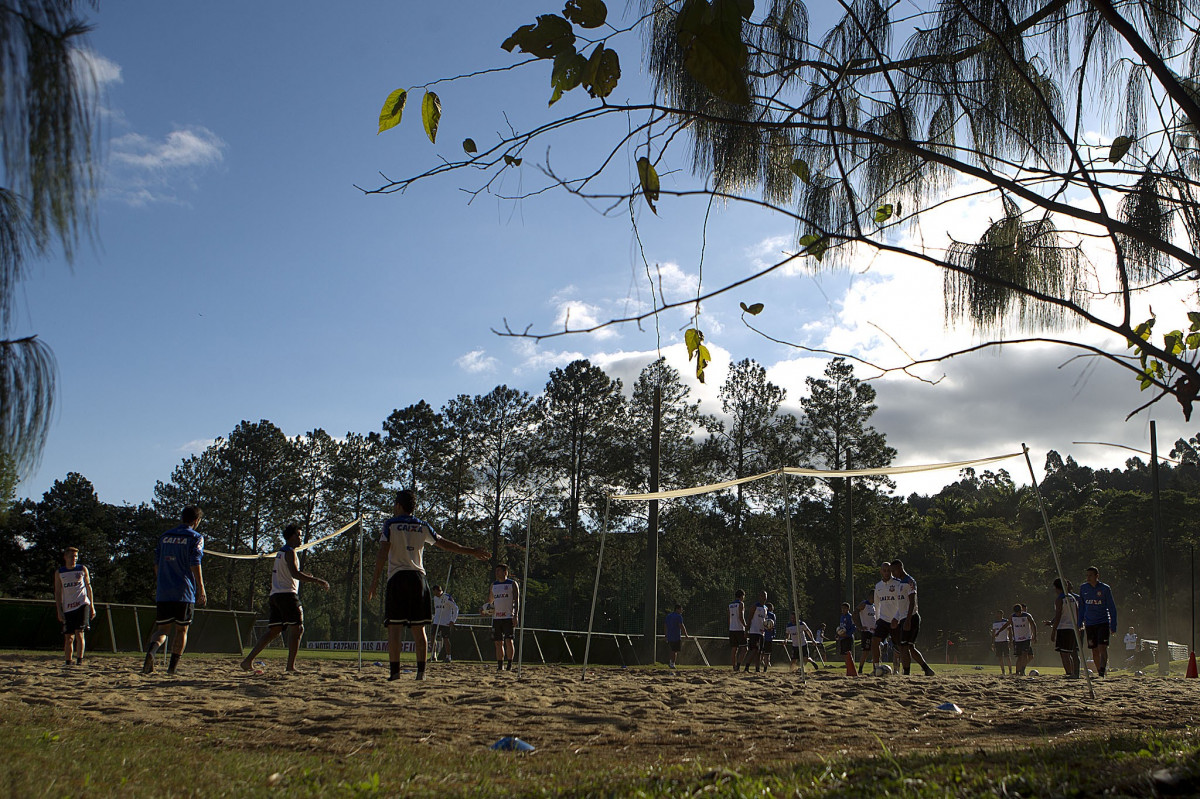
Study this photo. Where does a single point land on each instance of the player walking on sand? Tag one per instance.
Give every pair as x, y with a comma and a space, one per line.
676, 631
754, 636
407, 601
737, 627
180, 586
285, 613
505, 600
1099, 611
445, 615
866, 631
73, 601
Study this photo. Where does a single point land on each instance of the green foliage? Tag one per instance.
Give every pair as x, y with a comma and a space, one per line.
431, 115
602, 72
469, 147
586, 13
710, 38
393, 110
1119, 147
753, 310
547, 38
694, 340
648, 178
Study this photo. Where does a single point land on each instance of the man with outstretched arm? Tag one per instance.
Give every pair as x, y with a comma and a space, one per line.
284, 603
180, 586
1099, 617
408, 601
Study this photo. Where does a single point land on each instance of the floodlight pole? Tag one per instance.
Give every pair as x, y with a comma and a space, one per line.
1160, 576
361, 539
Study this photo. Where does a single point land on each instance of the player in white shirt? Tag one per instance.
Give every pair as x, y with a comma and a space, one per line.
799, 635
73, 601
908, 620
887, 608
737, 627
754, 635
1064, 624
1024, 634
445, 614
1001, 638
866, 631
505, 599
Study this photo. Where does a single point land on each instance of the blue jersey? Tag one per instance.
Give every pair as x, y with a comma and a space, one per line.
674, 626
178, 550
1096, 605
847, 624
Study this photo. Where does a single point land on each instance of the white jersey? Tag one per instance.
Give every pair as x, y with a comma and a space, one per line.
445, 610
887, 601
866, 617
736, 618
1070, 612
504, 598
1130, 642
282, 581
74, 590
408, 536
908, 588
757, 618
799, 635
1000, 632
1022, 627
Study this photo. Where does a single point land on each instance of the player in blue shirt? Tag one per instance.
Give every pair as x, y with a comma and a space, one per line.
180, 586
845, 637
675, 632
1098, 617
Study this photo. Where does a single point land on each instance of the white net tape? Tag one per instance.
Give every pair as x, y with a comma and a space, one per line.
264, 555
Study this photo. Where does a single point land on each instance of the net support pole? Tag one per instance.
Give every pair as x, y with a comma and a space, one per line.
1160, 569
361, 541
1069, 606
787, 515
525, 597
587, 647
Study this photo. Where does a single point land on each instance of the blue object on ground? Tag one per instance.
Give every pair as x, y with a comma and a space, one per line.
511, 743
953, 708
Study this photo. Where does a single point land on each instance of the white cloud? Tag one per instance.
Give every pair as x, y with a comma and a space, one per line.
476, 362
143, 171
181, 148
196, 446
94, 68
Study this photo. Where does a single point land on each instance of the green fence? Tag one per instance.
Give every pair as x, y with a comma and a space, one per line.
33, 624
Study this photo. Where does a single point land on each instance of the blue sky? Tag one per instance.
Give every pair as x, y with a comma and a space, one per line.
238, 274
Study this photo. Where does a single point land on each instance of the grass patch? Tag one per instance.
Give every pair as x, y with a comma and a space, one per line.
46, 752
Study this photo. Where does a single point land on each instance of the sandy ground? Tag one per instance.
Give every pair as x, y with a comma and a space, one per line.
332, 706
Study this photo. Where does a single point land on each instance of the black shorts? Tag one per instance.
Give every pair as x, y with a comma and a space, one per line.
909, 637
1065, 640
794, 651
864, 638
76, 621
883, 629
1023, 648
675, 646
285, 611
737, 638
408, 600
755, 640
1002, 648
502, 629
846, 645
175, 613
1097, 635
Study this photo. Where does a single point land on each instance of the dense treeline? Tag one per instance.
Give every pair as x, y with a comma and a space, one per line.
486, 467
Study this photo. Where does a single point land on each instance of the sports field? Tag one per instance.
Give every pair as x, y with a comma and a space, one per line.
259, 733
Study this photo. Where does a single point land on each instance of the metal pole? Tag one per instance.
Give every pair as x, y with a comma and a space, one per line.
1069, 606
1160, 571
787, 510
587, 648
650, 623
361, 537
525, 597
849, 537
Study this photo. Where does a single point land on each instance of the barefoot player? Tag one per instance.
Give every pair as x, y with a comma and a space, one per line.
73, 600
909, 620
408, 602
505, 599
180, 586
286, 613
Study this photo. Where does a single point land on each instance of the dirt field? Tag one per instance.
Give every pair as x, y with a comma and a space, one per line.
333, 707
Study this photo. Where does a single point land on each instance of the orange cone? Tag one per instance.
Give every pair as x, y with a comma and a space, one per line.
853, 672
1191, 672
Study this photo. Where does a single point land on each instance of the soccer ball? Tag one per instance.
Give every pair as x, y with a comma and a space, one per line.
487, 610
769, 624
882, 670
1034, 673
841, 631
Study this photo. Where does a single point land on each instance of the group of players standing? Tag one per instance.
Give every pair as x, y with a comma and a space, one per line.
891, 614
1092, 611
